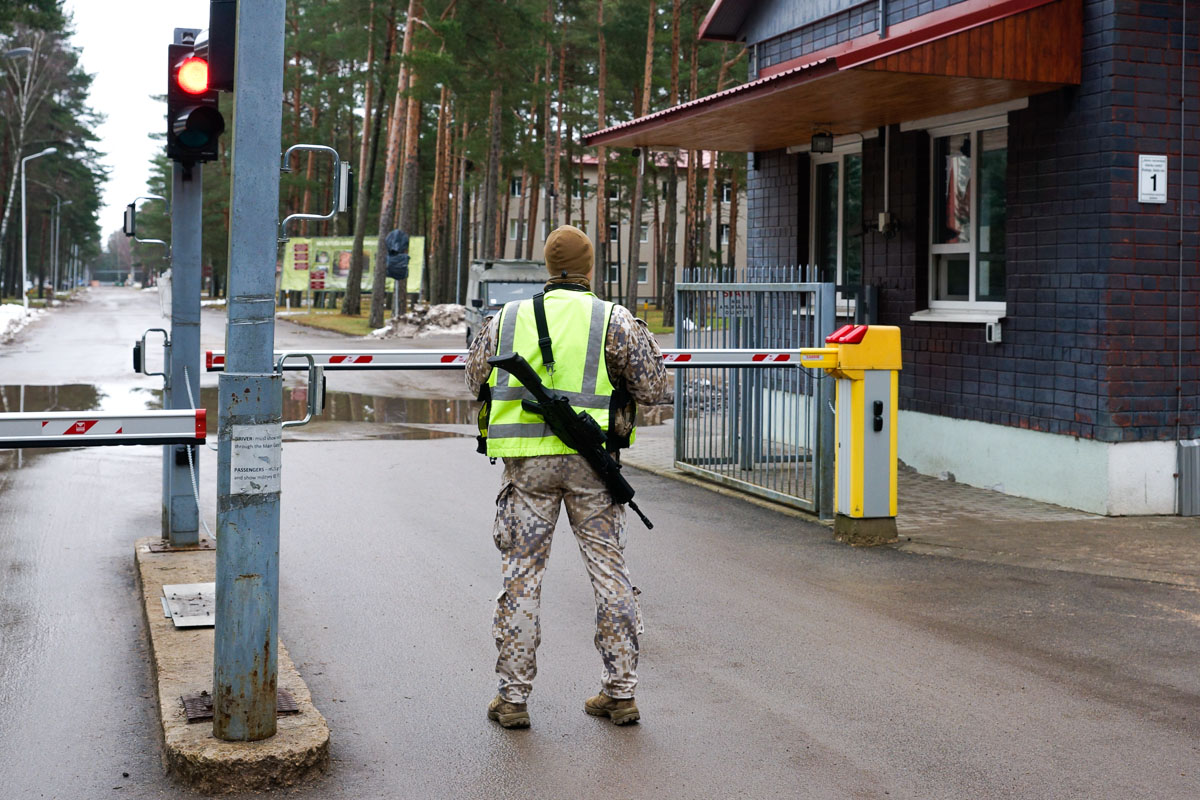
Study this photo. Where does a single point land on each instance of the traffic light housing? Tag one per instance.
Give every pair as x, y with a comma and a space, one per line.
194, 122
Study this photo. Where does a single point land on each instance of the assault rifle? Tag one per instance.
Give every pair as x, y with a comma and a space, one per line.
576, 429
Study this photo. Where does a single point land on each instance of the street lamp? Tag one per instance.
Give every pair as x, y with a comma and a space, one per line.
19, 52
56, 229
25, 227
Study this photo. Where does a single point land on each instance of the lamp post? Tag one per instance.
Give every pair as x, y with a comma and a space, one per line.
55, 236
25, 228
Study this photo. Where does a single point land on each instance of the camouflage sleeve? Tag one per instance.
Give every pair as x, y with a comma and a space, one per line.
634, 358
483, 347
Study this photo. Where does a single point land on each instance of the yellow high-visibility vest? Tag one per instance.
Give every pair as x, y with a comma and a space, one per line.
578, 326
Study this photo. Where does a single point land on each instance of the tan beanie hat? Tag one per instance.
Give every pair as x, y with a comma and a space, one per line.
569, 256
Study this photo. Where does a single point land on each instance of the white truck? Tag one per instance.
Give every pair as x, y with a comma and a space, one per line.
493, 282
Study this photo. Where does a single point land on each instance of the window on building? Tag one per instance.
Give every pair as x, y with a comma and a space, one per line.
644, 232
643, 269
614, 272
512, 229
726, 192
723, 230
514, 186
582, 224
968, 218
614, 232
837, 230
579, 188
614, 193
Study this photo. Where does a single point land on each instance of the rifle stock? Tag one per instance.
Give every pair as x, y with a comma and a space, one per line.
577, 430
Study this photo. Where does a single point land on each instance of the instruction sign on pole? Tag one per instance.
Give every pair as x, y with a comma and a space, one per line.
1152, 179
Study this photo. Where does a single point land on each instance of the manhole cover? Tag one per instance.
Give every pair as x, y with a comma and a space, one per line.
199, 707
192, 605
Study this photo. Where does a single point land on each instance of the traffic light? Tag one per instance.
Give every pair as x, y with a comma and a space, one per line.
194, 123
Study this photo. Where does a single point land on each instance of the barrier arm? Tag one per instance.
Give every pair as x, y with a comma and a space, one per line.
94, 428
336, 360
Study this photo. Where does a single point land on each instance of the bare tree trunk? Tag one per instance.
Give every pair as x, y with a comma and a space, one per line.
689, 214
733, 218
378, 290
502, 221
668, 299
601, 268
547, 149
534, 190
411, 177
438, 201
635, 208
558, 187
491, 183
352, 303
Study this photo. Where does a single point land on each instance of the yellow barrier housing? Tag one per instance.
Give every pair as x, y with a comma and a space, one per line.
865, 361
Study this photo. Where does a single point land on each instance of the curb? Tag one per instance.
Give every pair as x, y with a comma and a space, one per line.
182, 664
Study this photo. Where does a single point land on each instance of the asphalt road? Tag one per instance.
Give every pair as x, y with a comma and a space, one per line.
776, 663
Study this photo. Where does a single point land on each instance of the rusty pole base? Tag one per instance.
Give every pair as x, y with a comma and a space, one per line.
183, 660
865, 531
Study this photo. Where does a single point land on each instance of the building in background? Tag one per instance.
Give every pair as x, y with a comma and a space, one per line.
1018, 182
718, 228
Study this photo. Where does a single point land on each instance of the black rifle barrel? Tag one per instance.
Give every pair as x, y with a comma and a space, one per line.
577, 430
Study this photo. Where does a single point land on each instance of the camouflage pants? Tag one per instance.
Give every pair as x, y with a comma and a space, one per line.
526, 512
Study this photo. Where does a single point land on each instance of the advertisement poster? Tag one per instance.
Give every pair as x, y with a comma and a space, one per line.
323, 263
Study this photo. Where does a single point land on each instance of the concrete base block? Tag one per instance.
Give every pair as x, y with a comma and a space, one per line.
865, 532
183, 664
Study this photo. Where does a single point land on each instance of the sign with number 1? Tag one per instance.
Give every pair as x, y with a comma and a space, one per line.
1152, 179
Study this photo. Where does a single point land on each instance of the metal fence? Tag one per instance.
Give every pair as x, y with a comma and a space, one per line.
766, 431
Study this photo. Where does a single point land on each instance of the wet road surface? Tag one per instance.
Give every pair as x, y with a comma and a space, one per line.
775, 662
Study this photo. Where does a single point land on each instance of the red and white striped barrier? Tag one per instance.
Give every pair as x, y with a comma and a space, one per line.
457, 359
95, 428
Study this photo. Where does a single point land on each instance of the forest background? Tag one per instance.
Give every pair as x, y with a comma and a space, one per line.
44, 104
438, 104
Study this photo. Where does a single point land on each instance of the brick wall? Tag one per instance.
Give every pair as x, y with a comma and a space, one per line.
840, 27
1090, 340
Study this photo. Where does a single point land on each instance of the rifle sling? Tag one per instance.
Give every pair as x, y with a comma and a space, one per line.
543, 331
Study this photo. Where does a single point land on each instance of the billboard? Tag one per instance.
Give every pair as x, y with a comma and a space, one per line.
323, 263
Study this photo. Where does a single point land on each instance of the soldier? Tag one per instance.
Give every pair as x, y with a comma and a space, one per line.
606, 361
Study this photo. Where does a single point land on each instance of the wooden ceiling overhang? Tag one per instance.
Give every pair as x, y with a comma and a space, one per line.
985, 52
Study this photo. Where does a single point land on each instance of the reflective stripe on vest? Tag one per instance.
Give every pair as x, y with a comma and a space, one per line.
578, 326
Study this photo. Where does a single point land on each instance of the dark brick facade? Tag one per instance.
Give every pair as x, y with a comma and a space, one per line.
841, 27
1091, 337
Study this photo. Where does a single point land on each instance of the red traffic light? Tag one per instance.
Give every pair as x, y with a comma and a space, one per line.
192, 76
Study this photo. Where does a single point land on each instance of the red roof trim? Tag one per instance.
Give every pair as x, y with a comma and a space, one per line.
856, 52
936, 25
683, 109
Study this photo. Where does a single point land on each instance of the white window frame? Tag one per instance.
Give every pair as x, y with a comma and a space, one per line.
643, 272
727, 190
838, 155
614, 231
959, 310
516, 186
614, 272
579, 191
513, 227
723, 233
644, 233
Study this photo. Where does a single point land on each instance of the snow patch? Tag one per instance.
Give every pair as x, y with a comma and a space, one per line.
425, 320
13, 318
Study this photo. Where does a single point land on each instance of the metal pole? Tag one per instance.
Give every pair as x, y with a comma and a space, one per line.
54, 246
179, 501
245, 654
24, 243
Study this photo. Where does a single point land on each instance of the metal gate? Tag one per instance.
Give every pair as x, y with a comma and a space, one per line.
768, 431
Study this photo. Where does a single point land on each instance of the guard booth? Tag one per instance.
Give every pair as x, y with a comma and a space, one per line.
865, 362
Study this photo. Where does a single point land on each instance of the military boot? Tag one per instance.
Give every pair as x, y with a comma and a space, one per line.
621, 712
509, 715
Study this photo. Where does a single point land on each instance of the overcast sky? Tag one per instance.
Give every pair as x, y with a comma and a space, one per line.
124, 47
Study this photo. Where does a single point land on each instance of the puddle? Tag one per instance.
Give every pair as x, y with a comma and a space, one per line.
382, 417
